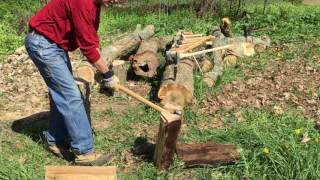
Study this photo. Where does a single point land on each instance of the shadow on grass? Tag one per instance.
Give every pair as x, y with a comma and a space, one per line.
143, 149
33, 125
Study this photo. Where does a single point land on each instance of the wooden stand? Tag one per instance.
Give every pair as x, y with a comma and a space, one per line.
207, 154
80, 173
170, 125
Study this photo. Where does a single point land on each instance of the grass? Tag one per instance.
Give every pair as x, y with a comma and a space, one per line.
271, 145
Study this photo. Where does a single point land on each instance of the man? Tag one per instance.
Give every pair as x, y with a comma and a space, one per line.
59, 27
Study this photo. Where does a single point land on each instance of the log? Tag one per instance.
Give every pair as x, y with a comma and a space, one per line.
211, 77
195, 155
146, 61
169, 129
127, 44
80, 173
120, 69
84, 75
206, 64
85, 90
177, 87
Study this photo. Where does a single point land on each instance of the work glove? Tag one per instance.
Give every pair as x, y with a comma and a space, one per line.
110, 81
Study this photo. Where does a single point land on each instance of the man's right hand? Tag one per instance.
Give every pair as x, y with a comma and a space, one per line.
112, 83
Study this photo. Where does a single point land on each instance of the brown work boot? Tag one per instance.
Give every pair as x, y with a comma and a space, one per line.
60, 152
92, 159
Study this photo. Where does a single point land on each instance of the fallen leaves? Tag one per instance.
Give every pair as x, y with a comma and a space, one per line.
286, 84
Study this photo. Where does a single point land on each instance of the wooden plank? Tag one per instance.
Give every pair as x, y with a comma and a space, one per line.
80, 173
208, 154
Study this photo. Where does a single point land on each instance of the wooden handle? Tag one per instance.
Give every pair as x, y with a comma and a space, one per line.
185, 55
141, 99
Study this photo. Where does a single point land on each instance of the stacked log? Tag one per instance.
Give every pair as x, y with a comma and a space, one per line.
146, 61
127, 44
177, 88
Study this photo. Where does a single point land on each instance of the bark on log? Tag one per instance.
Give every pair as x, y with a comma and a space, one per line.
177, 88
146, 61
207, 154
127, 44
169, 129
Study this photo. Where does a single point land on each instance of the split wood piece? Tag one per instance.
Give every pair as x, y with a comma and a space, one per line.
169, 129
195, 155
127, 44
146, 61
177, 87
80, 173
192, 46
86, 72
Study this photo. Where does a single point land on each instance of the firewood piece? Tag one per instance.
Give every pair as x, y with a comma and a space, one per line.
169, 129
208, 154
177, 88
127, 44
80, 173
120, 69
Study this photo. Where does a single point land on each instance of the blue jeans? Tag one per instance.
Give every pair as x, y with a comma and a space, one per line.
68, 116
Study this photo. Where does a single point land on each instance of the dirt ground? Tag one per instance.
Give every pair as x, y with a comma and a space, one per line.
23, 92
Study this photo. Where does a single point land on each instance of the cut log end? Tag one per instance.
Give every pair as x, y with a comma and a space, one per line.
175, 94
146, 64
85, 72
